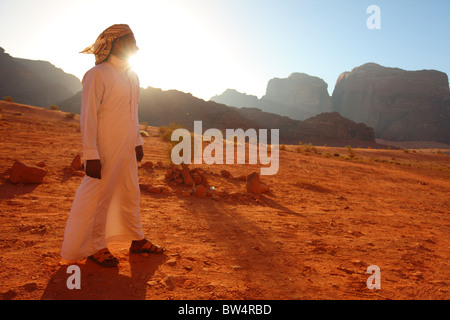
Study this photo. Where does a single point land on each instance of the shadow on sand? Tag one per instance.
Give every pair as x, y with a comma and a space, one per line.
99, 283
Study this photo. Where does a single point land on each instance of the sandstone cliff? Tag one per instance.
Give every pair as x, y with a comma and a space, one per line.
400, 105
300, 96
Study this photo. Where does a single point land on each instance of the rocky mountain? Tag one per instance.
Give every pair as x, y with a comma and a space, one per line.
36, 83
158, 108
300, 96
400, 105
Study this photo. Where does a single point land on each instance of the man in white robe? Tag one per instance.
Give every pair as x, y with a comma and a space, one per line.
106, 204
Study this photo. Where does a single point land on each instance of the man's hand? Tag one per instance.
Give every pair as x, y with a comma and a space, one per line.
139, 153
94, 169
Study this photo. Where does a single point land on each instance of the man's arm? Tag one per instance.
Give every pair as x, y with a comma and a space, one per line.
90, 104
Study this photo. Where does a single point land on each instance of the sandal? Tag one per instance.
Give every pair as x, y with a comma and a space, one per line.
147, 247
104, 258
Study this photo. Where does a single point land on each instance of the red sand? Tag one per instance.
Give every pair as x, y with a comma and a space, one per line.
313, 236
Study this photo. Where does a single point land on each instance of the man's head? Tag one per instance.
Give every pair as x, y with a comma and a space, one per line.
124, 47
103, 46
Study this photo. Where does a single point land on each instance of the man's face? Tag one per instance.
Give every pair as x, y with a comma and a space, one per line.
125, 47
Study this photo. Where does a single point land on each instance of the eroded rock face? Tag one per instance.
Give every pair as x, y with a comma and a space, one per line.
400, 105
300, 96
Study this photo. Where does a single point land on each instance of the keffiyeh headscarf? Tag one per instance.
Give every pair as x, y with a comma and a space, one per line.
102, 46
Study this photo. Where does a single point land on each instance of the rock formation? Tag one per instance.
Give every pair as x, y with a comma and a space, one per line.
400, 105
300, 96
160, 108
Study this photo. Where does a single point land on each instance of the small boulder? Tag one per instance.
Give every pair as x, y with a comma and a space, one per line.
186, 175
21, 173
200, 191
263, 187
253, 183
147, 165
76, 163
225, 173
40, 164
154, 190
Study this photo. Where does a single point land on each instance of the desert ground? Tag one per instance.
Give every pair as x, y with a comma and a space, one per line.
328, 215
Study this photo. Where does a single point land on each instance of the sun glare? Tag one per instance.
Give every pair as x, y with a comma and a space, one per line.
176, 51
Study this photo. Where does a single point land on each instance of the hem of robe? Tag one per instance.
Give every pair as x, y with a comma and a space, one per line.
110, 239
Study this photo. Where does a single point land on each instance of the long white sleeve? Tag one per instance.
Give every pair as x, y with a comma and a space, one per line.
139, 140
91, 99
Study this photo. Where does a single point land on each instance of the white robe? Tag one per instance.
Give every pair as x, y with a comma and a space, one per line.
108, 209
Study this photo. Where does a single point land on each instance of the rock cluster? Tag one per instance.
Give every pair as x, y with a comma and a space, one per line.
197, 180
184, 175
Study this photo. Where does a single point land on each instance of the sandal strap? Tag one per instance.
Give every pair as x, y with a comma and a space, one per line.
104, 255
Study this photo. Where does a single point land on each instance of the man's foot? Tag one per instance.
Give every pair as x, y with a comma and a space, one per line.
145, 246
104, 258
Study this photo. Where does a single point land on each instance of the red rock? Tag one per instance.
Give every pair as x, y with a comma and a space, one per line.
68, 169
40, 164
200, 191
21, 173
253, 183
168, 176
164, 190
76, 163
225, 173
263, 188
197, 178
187, 178
147, 164
154, 190
79, 173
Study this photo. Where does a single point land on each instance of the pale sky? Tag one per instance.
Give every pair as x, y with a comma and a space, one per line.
206, 46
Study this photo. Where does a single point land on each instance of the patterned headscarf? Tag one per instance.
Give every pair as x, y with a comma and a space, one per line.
102, 46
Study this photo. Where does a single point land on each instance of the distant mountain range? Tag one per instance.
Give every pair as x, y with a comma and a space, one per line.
399, 105
158, 108
370, 101
38, 83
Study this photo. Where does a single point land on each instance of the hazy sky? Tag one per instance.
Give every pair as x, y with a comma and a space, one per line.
206, 46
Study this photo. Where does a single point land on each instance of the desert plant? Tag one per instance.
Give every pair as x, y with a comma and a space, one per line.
70, 115
310, 148
350, 151
8, 99
166, 132
53, 107
144, 133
